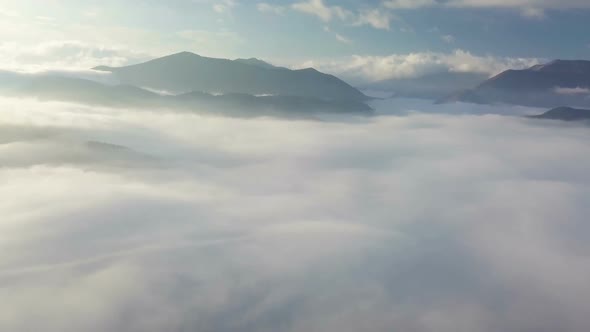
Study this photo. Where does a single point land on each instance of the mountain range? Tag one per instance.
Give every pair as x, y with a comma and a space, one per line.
251, 86
236, 104
244, 87
555, 84
432, 86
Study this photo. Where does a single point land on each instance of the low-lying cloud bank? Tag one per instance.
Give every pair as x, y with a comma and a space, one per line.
361, 69
123, 220
60, 54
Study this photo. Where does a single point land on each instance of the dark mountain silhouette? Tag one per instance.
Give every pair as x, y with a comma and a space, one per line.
561, 82
188, 72
432, 86
90, 92
564, 114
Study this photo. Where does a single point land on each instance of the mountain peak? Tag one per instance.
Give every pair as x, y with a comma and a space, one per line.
185, 53
255, 62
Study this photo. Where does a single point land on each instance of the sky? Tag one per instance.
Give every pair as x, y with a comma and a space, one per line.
323, 33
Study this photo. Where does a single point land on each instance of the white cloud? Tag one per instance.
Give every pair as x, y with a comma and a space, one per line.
321, 10
449, 39
343, 39
268, 8
224, 6
339, 37
424, 222
363, 69
408, 4
573, 91
60, 54
378, 19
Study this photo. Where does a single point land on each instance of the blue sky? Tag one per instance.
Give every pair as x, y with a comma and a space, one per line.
319, 32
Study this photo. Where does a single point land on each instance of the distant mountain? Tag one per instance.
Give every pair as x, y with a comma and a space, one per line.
432, 86
564, 114
87, 92
187, 72
561, 82
90, 92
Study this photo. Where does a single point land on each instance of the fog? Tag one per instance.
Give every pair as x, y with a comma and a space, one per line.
421, 218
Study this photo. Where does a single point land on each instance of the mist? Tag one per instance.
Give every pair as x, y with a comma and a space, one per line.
421, 218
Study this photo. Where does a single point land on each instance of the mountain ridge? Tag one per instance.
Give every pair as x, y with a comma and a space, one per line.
557, 83
186, 72
243, 105
564, 114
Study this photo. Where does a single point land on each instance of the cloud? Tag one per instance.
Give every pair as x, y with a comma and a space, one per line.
533, 13
572, 91
61, 54
449, 39
376, 18
363, 69
534, 9
339, 37
322, 11
408, 4
224, 6
268, 8
541, 4
425, 222
343, 39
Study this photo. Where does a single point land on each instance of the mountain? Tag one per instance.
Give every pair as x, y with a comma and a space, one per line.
560, 82
94, 93
87, 92
187, 72
256, 62
432, 86
564, 114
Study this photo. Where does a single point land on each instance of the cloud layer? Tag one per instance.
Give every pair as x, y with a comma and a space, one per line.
129, 220
61, 54
360, 69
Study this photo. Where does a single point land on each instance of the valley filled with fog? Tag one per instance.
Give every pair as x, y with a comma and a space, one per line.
421, 217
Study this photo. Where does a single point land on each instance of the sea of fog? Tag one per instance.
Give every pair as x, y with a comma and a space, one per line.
423, 218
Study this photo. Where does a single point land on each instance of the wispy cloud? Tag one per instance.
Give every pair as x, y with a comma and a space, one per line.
268, 8
408, 4
449, 39
319, 9
363, 69
339, 37
224, 6
376, 18
65, 54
